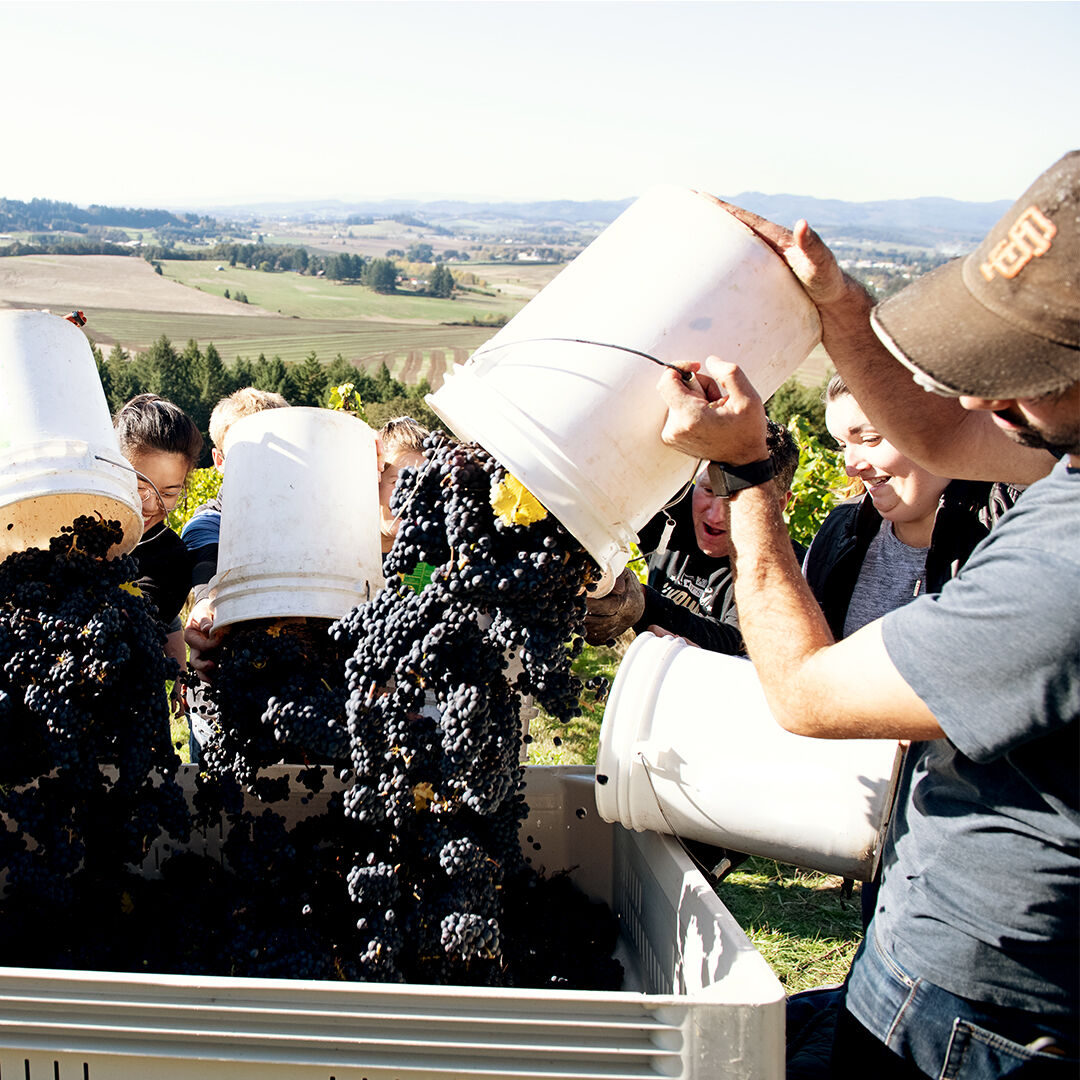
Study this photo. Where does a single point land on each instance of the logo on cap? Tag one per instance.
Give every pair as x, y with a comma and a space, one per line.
1029, 236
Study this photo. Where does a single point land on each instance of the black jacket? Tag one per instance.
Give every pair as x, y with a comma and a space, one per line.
688, 592
967, 511
164, 571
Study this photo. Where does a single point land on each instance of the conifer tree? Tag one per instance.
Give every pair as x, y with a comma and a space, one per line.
212, 383
269, 375
123, 377
103, 373
307, 383
162, 370
340, 371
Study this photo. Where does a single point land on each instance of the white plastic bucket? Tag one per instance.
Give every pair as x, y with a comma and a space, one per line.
565, 394
59, 457
300, 517
689, 747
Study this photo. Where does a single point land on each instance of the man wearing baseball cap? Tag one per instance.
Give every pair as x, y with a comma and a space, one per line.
970, 967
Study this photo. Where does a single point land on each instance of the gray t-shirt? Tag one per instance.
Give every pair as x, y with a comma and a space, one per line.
891, 576
982, 861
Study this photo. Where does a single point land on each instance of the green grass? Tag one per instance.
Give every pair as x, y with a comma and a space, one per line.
319, 298
575, 743
365, 343
799, 920
179, 731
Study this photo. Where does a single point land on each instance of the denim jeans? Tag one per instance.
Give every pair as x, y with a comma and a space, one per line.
949, 1037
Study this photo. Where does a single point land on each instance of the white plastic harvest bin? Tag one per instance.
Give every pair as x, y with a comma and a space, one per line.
698, 1000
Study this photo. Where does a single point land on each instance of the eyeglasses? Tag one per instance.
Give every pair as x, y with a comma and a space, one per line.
149, 493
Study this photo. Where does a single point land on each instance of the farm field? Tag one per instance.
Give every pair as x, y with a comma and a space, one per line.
411, 351
523, 280
815, 369
93, 282
319, 298
126, 303
372, 240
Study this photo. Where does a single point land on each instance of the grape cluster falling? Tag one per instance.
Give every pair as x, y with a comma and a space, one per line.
433, 713
86, 774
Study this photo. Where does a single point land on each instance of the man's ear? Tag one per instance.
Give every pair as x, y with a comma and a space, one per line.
787, 498
219, 458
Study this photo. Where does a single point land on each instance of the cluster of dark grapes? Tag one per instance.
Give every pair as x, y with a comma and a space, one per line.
87, 770
278, 695
598, 686
433, 715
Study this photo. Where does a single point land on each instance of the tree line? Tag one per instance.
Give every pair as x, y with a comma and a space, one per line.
196, 379
379, 274
48, 215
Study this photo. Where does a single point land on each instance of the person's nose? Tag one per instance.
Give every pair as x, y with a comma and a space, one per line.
717, 513
855, 463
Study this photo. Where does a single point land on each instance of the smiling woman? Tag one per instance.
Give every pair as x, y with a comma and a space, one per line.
860, 568
903, 493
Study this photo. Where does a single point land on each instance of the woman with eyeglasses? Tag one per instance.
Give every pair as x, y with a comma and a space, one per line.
163, 445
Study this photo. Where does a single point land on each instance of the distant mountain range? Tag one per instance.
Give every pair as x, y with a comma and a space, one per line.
946, 225
929, 221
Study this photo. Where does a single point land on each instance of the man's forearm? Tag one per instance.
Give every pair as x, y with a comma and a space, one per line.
909, 417
781, 623
814, 687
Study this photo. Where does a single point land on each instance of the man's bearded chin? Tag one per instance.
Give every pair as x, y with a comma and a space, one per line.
1059, 442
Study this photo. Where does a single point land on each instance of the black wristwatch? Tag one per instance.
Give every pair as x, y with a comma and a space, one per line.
726, 480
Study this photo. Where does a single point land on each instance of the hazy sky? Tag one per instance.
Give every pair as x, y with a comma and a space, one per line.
203, 103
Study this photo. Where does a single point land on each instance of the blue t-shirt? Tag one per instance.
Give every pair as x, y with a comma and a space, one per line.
202, 530
982, 862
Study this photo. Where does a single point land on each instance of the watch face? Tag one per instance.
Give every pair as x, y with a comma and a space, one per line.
719, 480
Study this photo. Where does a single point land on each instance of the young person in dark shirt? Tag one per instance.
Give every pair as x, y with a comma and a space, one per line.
163, 445
690, 589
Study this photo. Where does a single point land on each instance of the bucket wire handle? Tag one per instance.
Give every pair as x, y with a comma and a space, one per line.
138, 476
710, 875
686, 376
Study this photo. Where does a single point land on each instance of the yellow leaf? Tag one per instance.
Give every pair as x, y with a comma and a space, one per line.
423, 794
127, 905
514, 503
131, 587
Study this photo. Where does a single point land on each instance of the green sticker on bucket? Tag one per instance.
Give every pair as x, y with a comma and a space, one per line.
420, 576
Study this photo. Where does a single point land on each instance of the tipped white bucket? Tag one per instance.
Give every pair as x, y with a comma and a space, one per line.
59, 457
688, 746
565, 394
300, 517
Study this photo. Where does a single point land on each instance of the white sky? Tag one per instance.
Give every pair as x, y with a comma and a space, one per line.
200, 103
